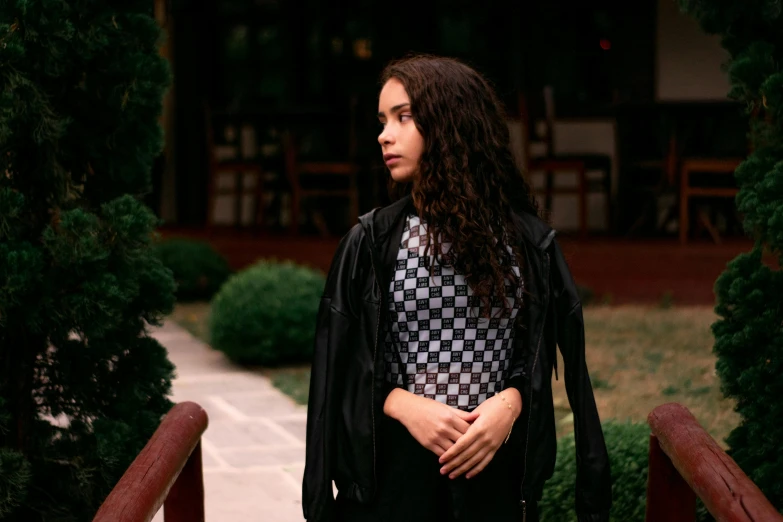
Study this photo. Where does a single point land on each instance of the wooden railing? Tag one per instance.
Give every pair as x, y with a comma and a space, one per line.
167, 472
685, 462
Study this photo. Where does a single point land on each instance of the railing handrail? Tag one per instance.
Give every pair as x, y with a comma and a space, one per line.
143, 488
727, 492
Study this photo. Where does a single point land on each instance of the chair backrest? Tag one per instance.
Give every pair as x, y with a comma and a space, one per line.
291, 143
523, 112
209, 134
352, 105
549, 119
531, 115
289, 157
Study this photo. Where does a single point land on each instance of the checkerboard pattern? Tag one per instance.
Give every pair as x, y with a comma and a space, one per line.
435, 344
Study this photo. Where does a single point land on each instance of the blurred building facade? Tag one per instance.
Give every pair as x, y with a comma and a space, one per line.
624, 93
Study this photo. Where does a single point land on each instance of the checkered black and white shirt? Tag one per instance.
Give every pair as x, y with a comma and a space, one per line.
435, 343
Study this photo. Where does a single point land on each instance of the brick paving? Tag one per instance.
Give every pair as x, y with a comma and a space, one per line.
253, 450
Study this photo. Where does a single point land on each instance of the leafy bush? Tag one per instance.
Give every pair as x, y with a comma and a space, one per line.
266, 314
628, 447
199, 270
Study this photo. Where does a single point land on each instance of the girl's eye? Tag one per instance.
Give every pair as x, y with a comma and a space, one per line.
404, 117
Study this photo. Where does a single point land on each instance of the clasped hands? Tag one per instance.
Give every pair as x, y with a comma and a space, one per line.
465, 443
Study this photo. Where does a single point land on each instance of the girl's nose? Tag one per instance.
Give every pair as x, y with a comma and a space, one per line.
385, 137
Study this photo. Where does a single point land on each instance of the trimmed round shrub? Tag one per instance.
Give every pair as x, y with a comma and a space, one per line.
199, 270
266, 314
628, 445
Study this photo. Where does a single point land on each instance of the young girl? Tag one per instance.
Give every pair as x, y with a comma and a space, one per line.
430, 395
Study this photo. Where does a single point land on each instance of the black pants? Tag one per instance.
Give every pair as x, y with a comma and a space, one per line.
411, 488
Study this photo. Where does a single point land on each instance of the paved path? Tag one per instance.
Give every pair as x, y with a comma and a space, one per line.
253, 450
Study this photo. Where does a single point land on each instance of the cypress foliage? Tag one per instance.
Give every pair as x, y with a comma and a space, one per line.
82, 385
749, 333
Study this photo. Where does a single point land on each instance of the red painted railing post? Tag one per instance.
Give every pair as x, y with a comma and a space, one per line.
185, 502
669, 497
727, 493
169, 465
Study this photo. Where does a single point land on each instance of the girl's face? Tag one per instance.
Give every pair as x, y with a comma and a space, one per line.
401, 143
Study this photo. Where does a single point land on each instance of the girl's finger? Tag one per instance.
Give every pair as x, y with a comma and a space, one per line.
460, 425
481, 465
463, 442
437, 448
462, 457
466, 416
471, 463
453, 435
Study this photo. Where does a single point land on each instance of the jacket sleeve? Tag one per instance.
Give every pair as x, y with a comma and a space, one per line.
517, 372
593, 479
333, 330
516, 377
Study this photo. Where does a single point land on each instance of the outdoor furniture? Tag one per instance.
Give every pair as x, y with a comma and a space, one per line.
656, 178
709, 166
710, 174
238, 172
660, 140
323, 179
551, 163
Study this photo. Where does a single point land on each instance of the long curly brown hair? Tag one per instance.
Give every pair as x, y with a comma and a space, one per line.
468, 183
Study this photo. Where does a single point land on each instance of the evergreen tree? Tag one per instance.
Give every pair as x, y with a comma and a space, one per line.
749, 333
82, 385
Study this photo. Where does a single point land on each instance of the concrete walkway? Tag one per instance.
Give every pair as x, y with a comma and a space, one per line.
253, 449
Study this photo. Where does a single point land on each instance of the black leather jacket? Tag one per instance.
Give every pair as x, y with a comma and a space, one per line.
348, 387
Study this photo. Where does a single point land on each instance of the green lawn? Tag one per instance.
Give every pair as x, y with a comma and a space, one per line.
641, 357
638, 357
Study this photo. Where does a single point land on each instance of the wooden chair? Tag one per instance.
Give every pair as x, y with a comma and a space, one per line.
711, 166
552, 163
238, 170
297, 172
665, 182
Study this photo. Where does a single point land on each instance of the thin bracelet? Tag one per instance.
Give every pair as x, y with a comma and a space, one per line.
513, 421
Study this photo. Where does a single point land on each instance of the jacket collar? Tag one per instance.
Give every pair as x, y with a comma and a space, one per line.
535, 230
381, 222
